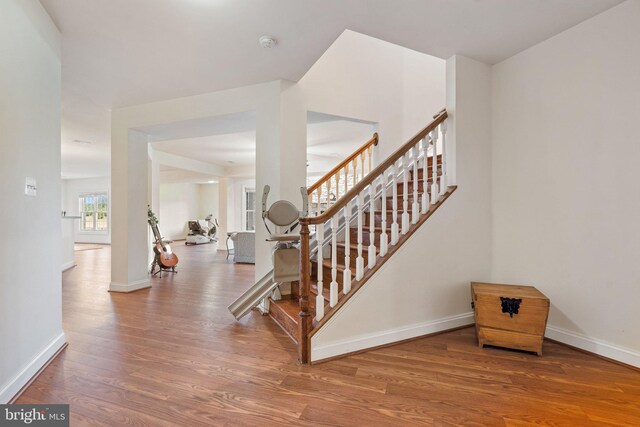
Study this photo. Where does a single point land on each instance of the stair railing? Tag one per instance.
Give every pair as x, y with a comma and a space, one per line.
339, 180
419, 152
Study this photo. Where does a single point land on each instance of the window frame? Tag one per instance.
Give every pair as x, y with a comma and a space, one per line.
244, 211
82, 202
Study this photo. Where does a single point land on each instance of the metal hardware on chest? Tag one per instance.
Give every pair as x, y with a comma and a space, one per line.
510, 305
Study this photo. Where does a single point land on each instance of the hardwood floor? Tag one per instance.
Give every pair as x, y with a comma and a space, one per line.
172, 355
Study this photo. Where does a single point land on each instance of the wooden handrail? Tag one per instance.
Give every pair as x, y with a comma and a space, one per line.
371, 176
342, 164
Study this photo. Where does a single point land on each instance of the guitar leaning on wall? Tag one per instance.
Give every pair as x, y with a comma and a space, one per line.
164, 259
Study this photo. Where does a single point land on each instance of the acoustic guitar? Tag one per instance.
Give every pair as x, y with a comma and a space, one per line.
166, 257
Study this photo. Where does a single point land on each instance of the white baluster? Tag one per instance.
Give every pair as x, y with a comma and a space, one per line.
394, 207
319, 298
434, 167
360, 259
415, 207
384, 239
372, 224
333, 287
405, 193
355, 170
425, 174
346, 275
443, 178
346, 180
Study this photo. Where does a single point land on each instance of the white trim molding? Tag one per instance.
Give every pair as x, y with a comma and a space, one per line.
22, 378
129, 287
67, 265
389, 336
592, 345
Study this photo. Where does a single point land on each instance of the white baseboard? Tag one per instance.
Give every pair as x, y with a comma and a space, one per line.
601, 348
388, 336
129, 287
68, 265
15, 384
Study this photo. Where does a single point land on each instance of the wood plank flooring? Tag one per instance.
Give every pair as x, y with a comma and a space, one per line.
172, 355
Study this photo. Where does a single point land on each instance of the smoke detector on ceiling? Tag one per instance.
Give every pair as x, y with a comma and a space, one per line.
267, 42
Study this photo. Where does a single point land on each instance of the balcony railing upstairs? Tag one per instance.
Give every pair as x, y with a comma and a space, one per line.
339, 180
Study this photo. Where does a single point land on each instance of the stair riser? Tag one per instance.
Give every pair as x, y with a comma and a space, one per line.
429, 172
401, 207
378, 217
326, 278
410, 185
326, 274
287, 323
353, 255
365, 238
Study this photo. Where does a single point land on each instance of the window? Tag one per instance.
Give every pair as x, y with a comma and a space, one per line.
94, 212
249, 209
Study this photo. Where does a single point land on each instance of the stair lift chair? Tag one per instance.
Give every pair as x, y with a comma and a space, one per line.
286, 253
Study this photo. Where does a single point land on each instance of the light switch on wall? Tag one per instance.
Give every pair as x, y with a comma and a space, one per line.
30, 187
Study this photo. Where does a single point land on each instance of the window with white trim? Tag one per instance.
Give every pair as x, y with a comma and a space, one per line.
94, 212
249, 209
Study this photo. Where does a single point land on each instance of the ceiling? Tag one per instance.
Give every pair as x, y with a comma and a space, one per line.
231, 143
122, 52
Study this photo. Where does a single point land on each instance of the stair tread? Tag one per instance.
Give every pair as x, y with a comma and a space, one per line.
326, 262
325, 291
367, 227
354, 245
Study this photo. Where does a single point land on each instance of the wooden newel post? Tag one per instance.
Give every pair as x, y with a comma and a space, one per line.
305, 288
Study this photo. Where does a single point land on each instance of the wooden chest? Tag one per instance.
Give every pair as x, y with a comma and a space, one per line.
510, 316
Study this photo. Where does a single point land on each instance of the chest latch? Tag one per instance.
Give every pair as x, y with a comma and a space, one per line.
510, 305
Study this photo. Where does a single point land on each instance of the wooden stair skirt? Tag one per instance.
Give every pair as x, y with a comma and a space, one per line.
407, 173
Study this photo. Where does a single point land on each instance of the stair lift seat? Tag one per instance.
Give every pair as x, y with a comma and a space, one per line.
284, 215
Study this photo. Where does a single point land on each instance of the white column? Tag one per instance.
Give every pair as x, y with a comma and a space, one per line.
223, 210
129, 198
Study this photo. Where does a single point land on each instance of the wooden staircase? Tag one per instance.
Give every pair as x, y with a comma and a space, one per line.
293, 312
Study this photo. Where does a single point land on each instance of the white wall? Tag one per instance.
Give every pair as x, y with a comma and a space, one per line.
209, 204
30, 256
424, 287
369, 79
179, 203
235, 201
73, 188
183, 202
566, 124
